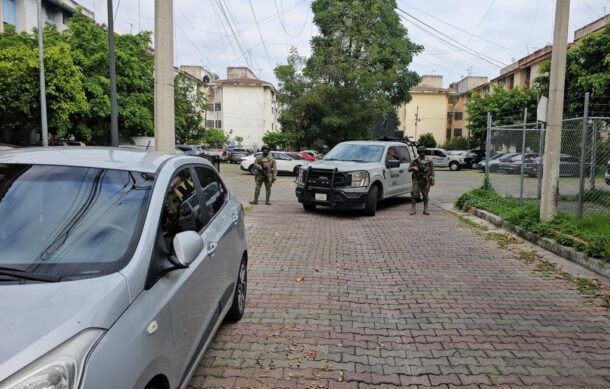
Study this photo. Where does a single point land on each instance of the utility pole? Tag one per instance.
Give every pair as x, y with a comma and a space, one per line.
550, 172
417, 120
1, 18
43, 88
114, 115
165, 136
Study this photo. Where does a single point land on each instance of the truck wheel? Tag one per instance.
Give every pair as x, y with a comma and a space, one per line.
252, 170
309, 207
370, 206
454, 166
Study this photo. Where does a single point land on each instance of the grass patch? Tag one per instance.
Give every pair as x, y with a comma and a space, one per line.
502, 239
590, 234
470, 223
529, 256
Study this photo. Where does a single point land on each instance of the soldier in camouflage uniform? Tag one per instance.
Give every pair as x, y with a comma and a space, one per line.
422, 169
266, 172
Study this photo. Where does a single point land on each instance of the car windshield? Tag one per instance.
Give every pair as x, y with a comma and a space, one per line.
356, 152
70, 221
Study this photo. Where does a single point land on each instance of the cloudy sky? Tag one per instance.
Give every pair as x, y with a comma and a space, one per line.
462, 37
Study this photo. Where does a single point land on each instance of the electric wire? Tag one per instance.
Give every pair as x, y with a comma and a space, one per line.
260, 33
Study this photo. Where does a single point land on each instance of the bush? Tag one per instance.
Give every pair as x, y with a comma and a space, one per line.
427, 140
457, 144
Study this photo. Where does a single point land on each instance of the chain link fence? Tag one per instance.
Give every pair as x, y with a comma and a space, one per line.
515, 161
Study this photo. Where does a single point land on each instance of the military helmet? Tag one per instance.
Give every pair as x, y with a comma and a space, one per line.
265, 147
421, 149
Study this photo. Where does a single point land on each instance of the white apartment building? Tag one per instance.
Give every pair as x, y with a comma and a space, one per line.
23, 15
242, 105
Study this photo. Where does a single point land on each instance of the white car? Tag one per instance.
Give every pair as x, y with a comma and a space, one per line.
287, 163
442, 158
357, 175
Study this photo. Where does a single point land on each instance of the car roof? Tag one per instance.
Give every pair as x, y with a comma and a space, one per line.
94, 157
375, 142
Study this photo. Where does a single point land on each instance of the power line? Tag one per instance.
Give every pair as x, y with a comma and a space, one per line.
259, 32
482, 19
477, 54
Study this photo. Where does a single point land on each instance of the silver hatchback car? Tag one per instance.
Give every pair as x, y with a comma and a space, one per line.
116, 267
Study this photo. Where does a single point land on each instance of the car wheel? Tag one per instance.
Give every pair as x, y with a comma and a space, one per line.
493, 169
370, 205
309, 207
239, 298
252, 170
474, 165
454, 166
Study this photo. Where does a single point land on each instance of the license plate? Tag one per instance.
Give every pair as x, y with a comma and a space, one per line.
320, 196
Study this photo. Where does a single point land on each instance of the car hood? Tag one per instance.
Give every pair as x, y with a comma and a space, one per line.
36, 318
344, 166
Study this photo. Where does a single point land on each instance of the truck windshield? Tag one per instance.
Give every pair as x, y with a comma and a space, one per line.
70, 221
356, 153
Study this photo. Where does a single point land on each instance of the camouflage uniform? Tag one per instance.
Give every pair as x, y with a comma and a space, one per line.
423, 178
266, 171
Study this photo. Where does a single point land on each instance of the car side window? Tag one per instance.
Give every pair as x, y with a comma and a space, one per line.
280, 156
213, 191
429, 152
392, 154
405, 157
182, 210
439, 153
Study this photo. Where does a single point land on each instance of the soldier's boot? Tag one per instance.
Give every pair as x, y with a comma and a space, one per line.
257, 193
426, 208
412, 207
267, 199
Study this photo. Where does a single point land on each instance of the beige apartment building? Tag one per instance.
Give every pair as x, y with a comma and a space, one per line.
427, 110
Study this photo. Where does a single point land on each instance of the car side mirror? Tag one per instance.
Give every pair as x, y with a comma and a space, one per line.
392, 164
187, 247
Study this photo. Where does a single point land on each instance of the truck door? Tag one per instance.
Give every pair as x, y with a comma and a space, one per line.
392, 175
405, 176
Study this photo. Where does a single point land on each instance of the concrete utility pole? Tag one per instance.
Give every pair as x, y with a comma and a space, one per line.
1, 18
550, 172
165, 135
417, 120
43, 88
114, 115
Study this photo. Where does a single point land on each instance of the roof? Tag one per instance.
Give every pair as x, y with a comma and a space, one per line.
244, 81
94, 157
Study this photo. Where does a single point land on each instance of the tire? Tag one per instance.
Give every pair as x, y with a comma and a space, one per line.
454, 166
238, 307
252, 170
309, 207
493, 169
370, 205
474, 165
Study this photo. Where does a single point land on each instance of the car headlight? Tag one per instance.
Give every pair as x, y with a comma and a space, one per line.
360, 179
301, 177
61, 368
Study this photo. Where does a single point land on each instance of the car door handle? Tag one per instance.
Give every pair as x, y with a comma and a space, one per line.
212, 248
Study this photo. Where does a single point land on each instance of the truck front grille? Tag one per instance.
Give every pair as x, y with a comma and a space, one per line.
322, 178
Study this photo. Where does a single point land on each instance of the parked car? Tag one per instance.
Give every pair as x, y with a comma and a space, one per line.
192, 150
494, 161
357, 175
569, 166
285, 163
442, 158
117, 267
235, 155
607, 175
512, 165
473, 157
312, 153
307, 156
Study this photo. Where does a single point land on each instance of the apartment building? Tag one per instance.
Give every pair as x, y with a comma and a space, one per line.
427, 110
23, 14
244, 106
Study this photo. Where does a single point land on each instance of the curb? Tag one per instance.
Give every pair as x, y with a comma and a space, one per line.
568, 253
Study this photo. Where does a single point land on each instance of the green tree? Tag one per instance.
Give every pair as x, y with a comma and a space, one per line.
20, 91
506, 108
587, 70
239, 139
457, 144
190, 106
358, 68
215, 137
427, 140
275, 139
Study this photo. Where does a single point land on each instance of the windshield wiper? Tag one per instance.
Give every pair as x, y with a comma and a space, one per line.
24, 275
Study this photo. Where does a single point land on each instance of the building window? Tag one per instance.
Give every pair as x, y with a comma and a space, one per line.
511, 82
218, 124
458, 115
217, 107
449, 115
457, 132
8, 12
528, 75
486, 89
66, 17
209, 123
448, 133
272, 127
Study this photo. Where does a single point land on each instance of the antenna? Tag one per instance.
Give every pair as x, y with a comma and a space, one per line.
148, 145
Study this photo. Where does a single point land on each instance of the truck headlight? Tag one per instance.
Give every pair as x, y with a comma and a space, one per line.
301, 177
360, 179
61, 368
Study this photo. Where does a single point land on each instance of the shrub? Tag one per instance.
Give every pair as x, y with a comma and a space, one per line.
427, 140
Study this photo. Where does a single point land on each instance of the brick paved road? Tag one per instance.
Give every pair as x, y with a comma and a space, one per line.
338, 300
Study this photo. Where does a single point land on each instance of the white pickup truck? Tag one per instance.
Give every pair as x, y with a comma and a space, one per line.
357, 175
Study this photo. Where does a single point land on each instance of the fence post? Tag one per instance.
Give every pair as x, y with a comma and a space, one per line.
541, 156
593, 154
583, 155
523, 155
487, 147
